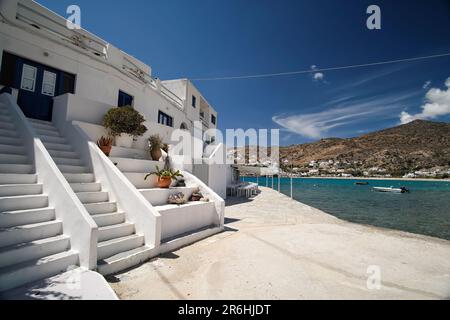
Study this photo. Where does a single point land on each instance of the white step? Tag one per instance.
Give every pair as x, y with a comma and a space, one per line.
5, 118
112, 247
8, 133
57, 146
137, 179
72, 169
62, 154
33, 250
136, 165
8, 125
125, 260
86, 187
4, 111
17, 178
53, 139
177, 220
158, 196
130, 153
16, 168
68, 161
13, 158
29, 232
41, 124
7, 190
100, 208
79, 177
115, 231
109, 219
10, 219
11, 141
46, 132
93, 197
11, 149
172, 244
13, 203
18, 275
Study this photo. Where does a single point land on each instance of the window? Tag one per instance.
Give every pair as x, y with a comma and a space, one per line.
68, 83
194, 101
28, 78
49, 83
125, 99
165, 119
213, 119
8, 69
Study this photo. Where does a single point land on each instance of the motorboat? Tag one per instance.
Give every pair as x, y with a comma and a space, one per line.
391, 189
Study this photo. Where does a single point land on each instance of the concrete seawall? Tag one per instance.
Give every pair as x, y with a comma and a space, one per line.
278, 248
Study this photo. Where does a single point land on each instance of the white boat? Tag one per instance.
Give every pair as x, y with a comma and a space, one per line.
391, 189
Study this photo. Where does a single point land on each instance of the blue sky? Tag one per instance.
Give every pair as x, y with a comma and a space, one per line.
205, 38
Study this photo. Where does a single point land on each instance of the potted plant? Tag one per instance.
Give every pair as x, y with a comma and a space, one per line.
155, 144
164, 177
105, 144
124, 124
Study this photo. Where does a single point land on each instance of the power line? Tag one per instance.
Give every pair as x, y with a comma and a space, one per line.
315, 70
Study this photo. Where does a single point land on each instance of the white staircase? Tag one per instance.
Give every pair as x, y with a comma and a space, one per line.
32, 243
178, 221
119, 247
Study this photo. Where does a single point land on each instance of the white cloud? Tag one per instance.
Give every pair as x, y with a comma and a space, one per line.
316, 125
317, 76
437, 104
426, 85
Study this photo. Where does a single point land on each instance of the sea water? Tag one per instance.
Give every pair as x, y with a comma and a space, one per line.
425, 210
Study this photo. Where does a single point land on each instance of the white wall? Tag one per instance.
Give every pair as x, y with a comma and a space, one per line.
97, 79
77, 222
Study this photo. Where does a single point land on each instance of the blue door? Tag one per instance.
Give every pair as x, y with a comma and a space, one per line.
37, 86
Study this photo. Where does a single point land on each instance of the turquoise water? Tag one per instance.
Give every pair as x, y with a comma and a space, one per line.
425, 210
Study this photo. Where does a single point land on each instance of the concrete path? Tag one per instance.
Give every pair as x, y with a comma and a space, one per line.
278, 248
76, 284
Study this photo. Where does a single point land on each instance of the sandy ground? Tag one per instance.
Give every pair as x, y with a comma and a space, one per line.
277, 248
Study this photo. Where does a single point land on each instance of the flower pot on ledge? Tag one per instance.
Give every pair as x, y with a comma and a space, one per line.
124, 140
156, 154
106, 150
164, 182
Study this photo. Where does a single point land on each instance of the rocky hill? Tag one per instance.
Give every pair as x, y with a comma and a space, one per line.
413, 146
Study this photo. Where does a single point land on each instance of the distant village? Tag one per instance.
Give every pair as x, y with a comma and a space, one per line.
331, 168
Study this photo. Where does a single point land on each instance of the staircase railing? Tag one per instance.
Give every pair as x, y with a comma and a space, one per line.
77, 222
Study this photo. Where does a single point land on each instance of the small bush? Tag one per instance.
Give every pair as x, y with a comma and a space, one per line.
155, 142
124, 120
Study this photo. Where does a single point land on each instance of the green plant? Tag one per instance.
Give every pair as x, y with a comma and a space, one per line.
165, 173
155, 142
124, 120
105, 142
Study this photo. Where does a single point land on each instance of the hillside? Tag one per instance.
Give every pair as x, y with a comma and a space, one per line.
399, 150
416, 145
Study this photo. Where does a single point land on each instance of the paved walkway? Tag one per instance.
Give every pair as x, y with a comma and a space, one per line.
76, 284
277, 248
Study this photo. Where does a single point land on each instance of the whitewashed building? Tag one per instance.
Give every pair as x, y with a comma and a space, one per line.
62, 201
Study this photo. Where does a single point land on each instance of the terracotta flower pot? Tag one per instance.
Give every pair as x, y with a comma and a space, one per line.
164, 182
156, 154
106, 150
